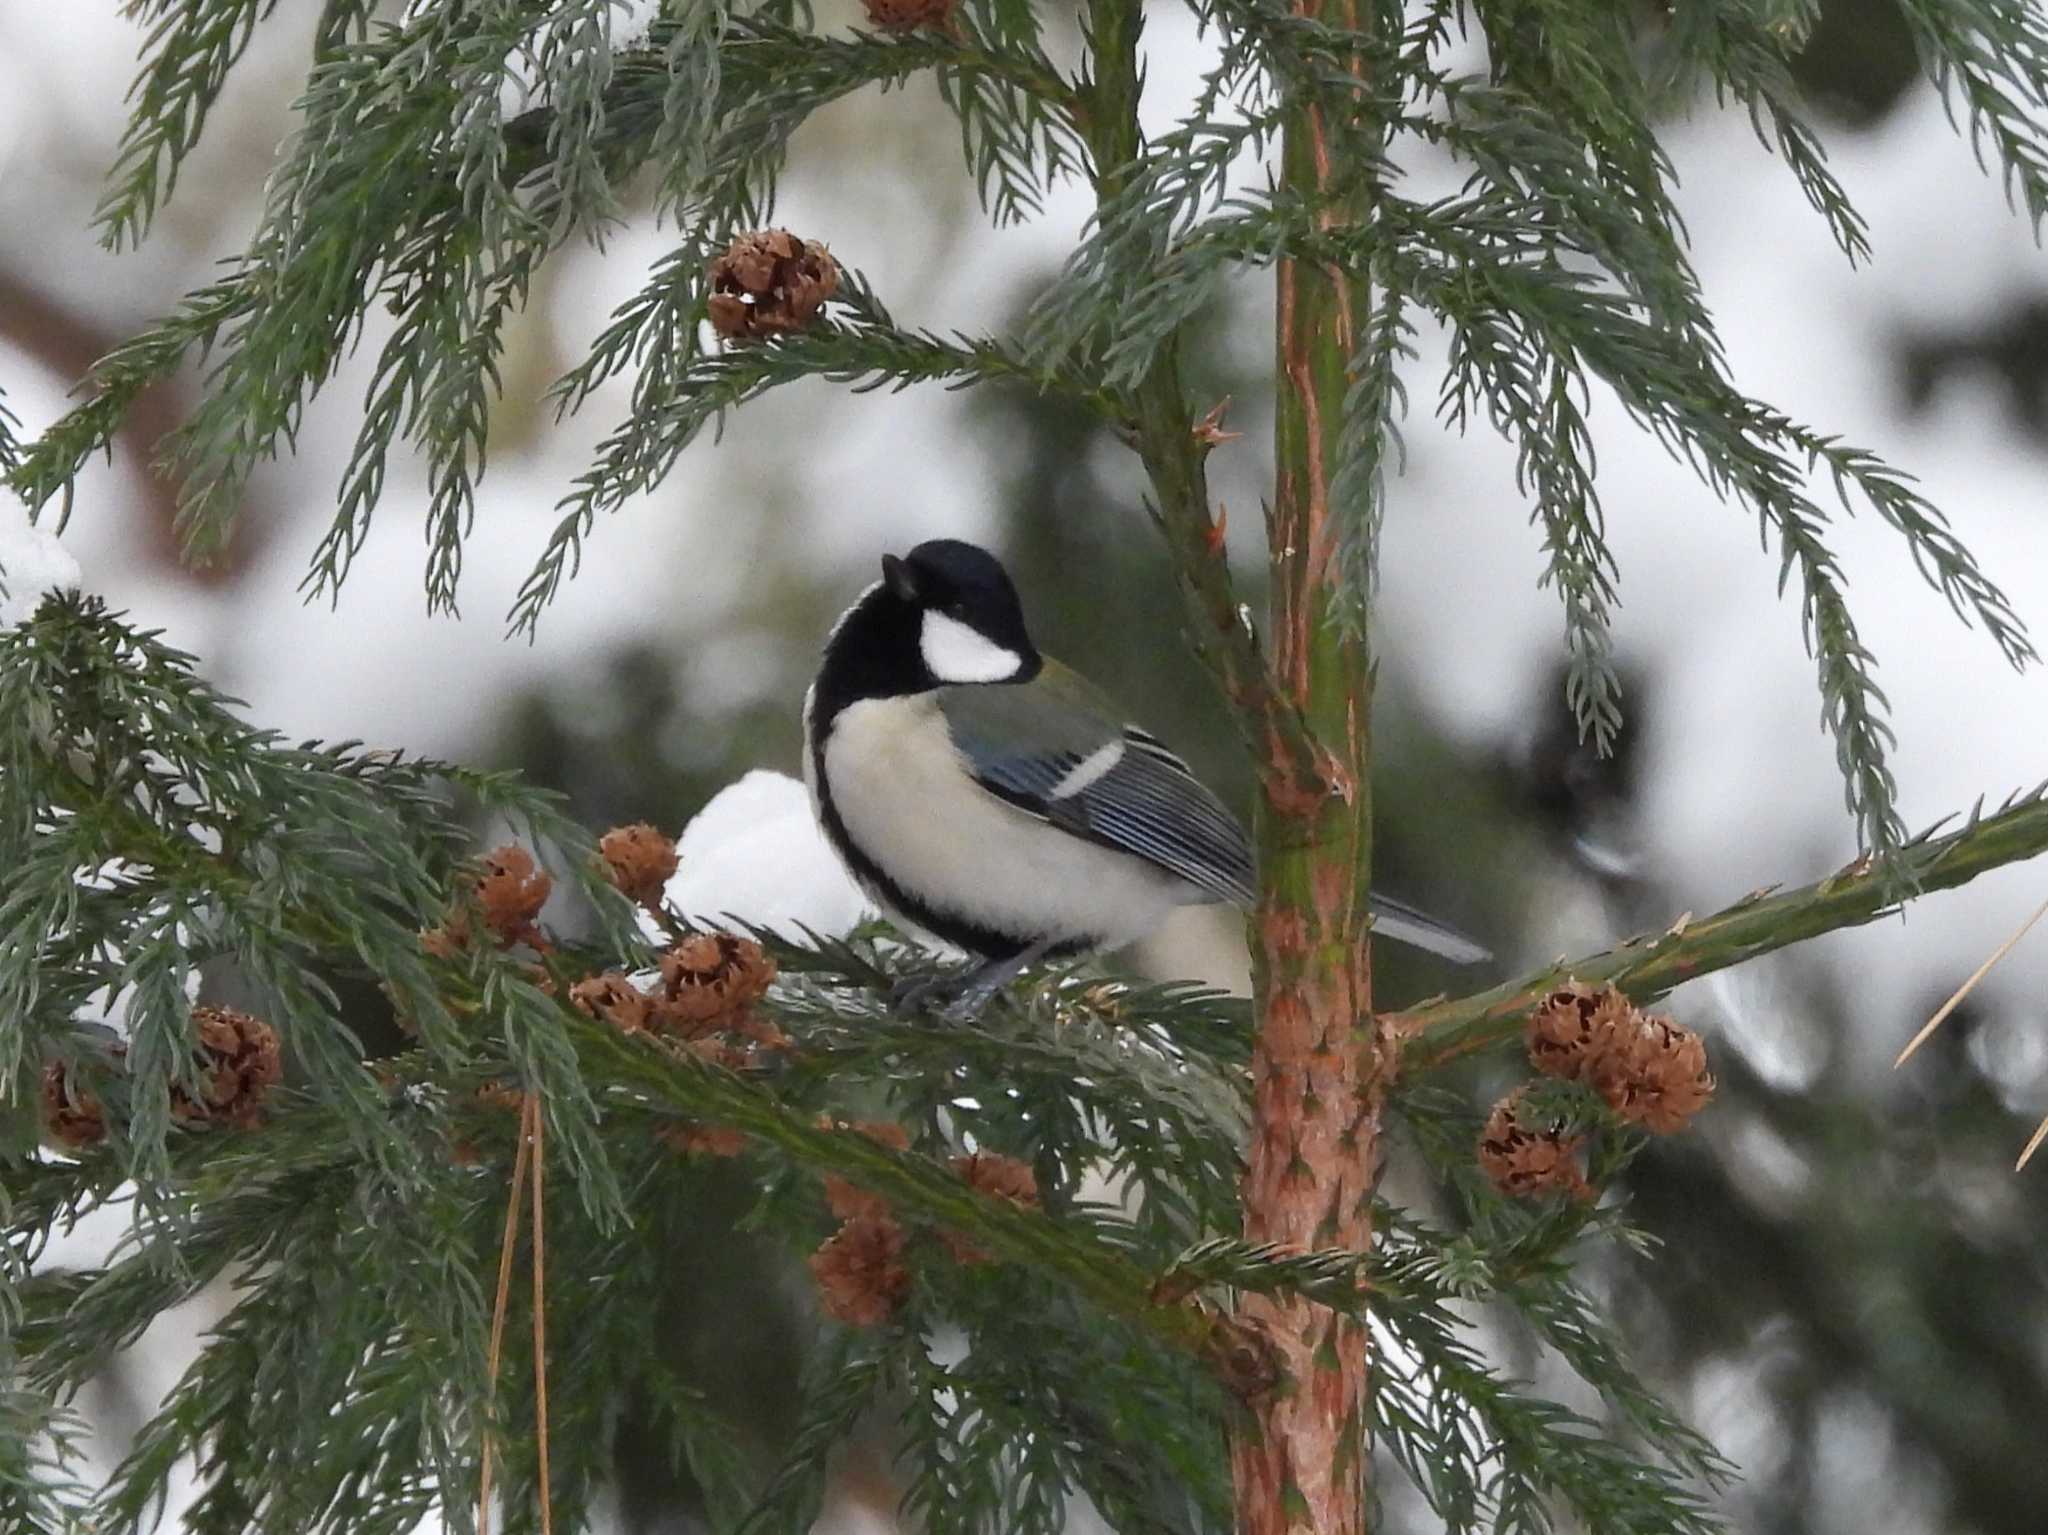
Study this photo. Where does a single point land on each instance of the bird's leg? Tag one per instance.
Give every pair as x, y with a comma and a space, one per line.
983, 982
910, 993
970, 989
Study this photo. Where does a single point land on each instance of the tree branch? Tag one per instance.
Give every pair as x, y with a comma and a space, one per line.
1650, 965
1165, 432
679, 1081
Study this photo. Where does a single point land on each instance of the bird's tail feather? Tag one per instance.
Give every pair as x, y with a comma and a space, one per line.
1406, 924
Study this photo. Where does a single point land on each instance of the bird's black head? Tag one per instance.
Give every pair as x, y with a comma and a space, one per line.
969, 623
943, 613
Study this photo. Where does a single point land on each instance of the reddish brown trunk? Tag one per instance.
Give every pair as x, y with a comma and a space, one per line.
1299, 1459
1298, 1463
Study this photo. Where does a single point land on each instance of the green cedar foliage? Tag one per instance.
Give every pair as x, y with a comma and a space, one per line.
357, 1226
146, 831
408, 186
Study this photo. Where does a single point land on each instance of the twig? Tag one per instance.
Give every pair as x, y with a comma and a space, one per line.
1095, 1271
1649, 966
1927, 1030
483, 1497
2033, 1145
540, 1310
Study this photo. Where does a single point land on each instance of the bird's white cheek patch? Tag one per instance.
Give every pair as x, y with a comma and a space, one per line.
954, 652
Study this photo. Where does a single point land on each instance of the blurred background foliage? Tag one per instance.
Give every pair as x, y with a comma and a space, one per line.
1849, 1297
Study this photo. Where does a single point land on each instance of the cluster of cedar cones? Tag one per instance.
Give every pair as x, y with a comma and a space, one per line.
860, 1272
1650, 1070
702, 1000
237, 1059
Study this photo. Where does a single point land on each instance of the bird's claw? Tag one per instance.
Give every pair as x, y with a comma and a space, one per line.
952, 998
916, 993
967, 1007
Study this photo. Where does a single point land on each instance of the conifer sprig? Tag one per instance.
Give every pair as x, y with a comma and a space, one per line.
1742, 49
441, 157
10, 446
186, 55
1486, 1456
485, 199
861, 345
148, 830
47, 469
1650, 964
1560, 137
1562, 90
41, 1457
1990, 59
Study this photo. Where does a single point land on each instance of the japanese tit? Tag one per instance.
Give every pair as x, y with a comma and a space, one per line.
987, 796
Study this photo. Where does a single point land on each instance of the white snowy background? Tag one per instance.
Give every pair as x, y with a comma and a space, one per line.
1741, 786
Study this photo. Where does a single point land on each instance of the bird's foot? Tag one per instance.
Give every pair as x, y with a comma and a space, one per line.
972, 997
917, 993
964, 993
953, 998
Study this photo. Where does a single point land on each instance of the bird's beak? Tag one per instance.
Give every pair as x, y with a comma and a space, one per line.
901, 579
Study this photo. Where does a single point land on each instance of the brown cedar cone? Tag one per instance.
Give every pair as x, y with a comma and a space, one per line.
1655, 1075
708, 1140
511, 891
1576, 1025
908, 15
239, 1062
764, 1032
767, 281
639, 860
707, 980
849, 1201
614, 998
1524, 1159
883, 1132
502, 1095
860, 1273
723, 1045
445, 941
717, 1047
1000, 1177
73, 1118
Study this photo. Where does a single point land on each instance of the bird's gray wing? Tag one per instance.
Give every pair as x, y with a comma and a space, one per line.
1137, 796
1093, 777
1118, 786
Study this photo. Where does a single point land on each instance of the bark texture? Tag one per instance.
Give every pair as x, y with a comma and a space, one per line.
1319, 1067
1298, 1451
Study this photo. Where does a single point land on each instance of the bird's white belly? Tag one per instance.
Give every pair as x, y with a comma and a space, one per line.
906, 799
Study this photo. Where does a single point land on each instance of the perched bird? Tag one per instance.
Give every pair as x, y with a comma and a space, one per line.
987, 796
